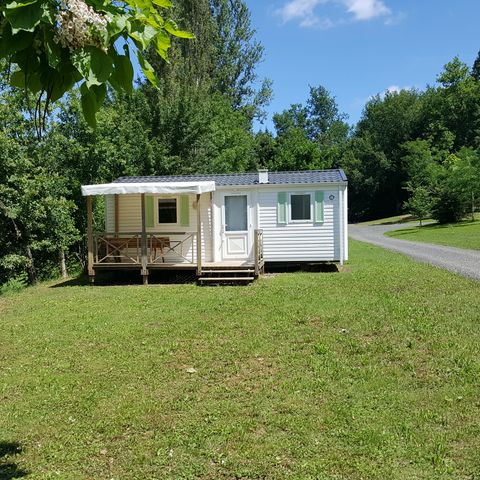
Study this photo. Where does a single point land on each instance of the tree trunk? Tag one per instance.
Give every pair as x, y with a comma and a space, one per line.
63, 264
473, 207
31, 272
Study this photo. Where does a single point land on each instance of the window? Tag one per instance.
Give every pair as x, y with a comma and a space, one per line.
300, 207
167, 210
236, 213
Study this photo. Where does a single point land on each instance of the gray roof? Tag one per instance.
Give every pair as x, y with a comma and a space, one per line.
227, 179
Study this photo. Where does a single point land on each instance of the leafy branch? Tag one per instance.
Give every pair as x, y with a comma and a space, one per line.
54, 44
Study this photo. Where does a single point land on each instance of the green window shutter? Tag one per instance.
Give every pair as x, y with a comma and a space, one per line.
319, 206
282, 208
149, 211
184, 211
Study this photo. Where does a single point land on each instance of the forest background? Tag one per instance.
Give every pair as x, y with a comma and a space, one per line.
415, 151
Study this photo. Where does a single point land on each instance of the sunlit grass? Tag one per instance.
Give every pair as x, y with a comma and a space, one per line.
368, 374
462, 235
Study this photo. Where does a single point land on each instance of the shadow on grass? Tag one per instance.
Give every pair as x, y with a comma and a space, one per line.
406, 219
127, 277
299, 267
9, 469
430, 227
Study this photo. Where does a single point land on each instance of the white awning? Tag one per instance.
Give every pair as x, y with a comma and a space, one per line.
170, 188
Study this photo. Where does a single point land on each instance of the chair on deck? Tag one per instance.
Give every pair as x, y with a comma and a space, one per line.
158, 243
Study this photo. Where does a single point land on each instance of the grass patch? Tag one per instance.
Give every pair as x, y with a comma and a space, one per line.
461, 235
368, 374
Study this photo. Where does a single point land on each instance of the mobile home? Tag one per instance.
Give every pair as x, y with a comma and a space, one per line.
223, 222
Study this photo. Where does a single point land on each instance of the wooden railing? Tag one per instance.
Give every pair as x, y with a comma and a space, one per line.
160, 247
258, 252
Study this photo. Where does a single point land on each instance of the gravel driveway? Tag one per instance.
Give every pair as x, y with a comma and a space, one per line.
458, 260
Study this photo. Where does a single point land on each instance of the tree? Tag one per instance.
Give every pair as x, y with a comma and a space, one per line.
295, 151
454, 73
465, 178
367, 169
237, 55
388, 122
476, 68
420, 202
36, 215
326, 124
53, 45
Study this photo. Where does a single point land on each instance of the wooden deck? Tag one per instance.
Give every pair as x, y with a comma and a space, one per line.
171, 265
147, 251
163, 251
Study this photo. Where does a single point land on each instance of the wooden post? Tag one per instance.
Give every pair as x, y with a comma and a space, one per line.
144, 242
117, 214
91, 271
199, 237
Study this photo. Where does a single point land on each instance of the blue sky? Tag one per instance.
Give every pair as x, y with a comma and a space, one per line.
357, 48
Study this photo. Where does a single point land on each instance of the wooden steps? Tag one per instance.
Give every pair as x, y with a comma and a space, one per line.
222, 275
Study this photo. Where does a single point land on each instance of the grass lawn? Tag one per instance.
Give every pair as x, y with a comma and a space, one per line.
369, 374
462, 235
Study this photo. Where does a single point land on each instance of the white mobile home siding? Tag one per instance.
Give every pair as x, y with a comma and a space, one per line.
299, 241
110, 213
130, 222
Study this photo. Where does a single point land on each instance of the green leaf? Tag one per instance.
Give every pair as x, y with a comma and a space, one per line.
122, 76
31, 82
24, 3
54, 52
163, 41
94, 64
14, 43
100, 92
89, 105
23, 17
144, 36
62, 82
148, 70
163, 3
172, 29
117, 24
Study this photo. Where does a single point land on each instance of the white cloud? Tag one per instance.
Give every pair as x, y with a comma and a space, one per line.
306, 11
302, 9
366, 9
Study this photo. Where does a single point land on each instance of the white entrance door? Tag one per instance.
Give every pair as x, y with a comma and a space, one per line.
236, 231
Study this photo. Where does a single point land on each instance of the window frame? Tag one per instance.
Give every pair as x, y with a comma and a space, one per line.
302, 221
157, 210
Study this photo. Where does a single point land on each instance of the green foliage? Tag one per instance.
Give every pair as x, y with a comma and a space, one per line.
53, 45
476, 68
309, 136
13, 285
420, 202
419, 134
459, 189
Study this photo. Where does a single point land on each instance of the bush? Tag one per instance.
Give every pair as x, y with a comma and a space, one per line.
14, 284
448, 207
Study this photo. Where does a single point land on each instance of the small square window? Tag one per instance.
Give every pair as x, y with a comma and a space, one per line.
167, 210
300, 207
